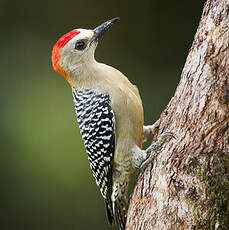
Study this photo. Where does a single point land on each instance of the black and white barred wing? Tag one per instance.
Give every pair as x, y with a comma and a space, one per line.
97, 122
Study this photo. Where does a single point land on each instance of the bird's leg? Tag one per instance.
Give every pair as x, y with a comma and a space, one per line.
152, 149
150, 130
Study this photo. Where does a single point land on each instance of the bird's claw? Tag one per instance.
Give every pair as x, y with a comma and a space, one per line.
152, 149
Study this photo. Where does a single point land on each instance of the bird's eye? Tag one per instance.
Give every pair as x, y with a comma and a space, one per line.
81, 45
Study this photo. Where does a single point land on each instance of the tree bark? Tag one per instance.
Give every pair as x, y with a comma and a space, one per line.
187, 185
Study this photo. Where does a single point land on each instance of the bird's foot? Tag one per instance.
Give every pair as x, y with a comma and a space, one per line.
152, 149
150, 130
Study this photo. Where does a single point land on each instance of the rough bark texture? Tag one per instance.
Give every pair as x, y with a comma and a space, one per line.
187, 186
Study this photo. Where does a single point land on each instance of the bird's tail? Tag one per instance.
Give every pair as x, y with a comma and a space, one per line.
117, 214
119, 211
109, 212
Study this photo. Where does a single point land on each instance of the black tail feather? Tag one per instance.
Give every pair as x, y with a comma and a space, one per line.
109, 213
119, 215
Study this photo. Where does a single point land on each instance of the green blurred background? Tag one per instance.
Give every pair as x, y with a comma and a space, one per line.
46, 182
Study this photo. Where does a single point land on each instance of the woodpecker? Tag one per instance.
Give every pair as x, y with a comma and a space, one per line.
110, 116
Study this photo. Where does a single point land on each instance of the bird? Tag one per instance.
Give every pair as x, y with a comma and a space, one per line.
110, 116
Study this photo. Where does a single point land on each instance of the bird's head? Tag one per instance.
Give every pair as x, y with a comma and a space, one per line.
77, 47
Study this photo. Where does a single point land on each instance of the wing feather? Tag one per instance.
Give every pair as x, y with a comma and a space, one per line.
97, 126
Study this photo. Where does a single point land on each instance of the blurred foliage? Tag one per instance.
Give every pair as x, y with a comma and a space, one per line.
46, 182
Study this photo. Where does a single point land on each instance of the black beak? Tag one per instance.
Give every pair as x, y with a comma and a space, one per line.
100, 30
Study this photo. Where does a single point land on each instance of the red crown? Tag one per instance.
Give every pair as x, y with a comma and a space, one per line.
56, 50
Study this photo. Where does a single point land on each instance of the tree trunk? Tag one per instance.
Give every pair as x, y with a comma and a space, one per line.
187, 186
